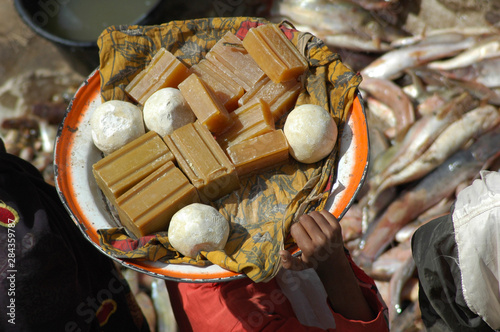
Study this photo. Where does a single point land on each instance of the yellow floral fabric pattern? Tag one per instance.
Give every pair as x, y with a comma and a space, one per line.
263, 209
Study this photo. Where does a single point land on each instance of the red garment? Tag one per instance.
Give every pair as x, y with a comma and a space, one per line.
242, 305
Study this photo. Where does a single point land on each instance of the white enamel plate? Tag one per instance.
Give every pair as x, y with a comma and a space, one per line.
75, 154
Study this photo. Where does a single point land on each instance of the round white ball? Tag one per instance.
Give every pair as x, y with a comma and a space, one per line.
311, 133
166, 110
198, 227
114, 123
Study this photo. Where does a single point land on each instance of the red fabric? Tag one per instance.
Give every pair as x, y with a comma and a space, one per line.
128, 244
242, 305
245, 26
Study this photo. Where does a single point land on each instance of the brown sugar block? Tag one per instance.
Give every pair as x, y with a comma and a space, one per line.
259, 153
163, 71
274, 53
229, 55
249, 120
203, 161
224, 87
285, 101
205, 105
127, 166
148, 207
280, 97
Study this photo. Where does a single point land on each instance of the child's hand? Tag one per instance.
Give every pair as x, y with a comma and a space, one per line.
319, 237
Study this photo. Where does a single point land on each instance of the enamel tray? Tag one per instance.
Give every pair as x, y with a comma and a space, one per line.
75, 154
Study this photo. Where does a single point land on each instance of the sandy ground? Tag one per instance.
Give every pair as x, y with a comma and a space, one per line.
31, 69
21, 50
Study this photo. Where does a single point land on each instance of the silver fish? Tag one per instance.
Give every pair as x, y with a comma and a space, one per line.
410, 319
461, 166
472, 124
392, 64
490, 47
441, 208
390, 261
443, 84
350, 42
351, 223
423, 133
337, 23
447, 35
484, 72
428, 105
380, 116
378, 145
398, 280
391, 94
378, 142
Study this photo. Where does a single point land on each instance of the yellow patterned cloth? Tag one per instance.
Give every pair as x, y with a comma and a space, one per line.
263, 209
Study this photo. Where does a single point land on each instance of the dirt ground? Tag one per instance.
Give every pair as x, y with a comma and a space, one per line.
31, 68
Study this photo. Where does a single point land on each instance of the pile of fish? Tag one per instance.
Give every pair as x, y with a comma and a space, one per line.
431, 102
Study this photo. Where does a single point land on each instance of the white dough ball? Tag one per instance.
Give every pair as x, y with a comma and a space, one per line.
114, 123
198, 227
166, 110
311, 133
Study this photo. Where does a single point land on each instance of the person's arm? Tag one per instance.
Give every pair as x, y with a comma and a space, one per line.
244, 305
319, 237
